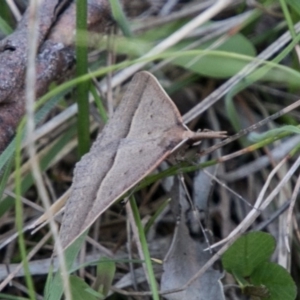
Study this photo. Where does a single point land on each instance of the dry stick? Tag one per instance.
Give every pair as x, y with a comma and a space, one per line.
41, 266
185, 12
274, 216
13, 236
246, 131
289, 174
290, 213
277, 153
283, 257
26, 227
227, 187
29, 256
14, 9
297, 49
25, 201
22, 288
30, 88
56, 208
296, 228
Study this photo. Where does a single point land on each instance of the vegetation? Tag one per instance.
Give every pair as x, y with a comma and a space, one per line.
226, 65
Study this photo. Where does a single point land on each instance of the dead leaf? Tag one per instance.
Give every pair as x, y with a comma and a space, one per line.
186, 256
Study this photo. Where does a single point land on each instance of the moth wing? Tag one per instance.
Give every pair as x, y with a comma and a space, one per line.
144, 129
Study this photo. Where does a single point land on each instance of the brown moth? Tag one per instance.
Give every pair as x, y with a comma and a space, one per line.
145, 128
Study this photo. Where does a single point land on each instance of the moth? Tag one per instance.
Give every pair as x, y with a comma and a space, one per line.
145, 128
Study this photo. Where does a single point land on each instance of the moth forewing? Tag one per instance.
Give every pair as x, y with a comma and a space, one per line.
145, 128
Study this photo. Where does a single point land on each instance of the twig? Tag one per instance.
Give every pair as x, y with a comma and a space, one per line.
250, 129
14, 9
290, 213
29, 256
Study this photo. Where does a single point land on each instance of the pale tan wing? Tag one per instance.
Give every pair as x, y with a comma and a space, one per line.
144, 129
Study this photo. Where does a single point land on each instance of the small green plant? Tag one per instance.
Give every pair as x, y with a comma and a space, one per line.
248, 260
105, 274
